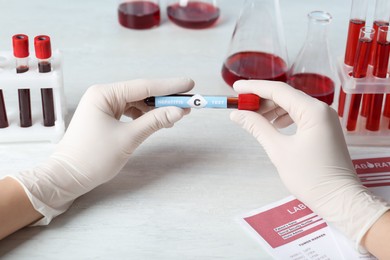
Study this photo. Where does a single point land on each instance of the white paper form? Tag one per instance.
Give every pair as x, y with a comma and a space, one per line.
288, 229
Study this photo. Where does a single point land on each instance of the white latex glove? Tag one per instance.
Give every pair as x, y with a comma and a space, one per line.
314, 162
96, 144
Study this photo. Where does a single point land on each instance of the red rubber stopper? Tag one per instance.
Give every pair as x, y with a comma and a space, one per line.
20, 45
248, 102
42, 47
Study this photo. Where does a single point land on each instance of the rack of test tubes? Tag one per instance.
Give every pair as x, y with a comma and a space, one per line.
32, 100
365, 128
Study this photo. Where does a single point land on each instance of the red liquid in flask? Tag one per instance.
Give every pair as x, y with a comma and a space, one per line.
315, 85
254, 65
194, 15
352, 40
139, 14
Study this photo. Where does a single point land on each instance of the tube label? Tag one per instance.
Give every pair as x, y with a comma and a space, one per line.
195, 101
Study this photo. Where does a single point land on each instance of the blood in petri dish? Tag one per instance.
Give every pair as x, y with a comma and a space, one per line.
3, 112
194, 15
254, 65
352, 40
318, 86
24, 102
47, 97
139, 14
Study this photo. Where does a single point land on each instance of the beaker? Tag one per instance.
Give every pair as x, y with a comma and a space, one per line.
193, 14
313, 70
257, 49
139, 14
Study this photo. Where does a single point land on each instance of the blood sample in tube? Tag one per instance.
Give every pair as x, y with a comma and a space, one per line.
357, 20
242, 102
3, 112
360, 67
43, 53
381, 62
21, 53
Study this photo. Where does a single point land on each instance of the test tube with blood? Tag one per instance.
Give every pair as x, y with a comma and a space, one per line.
362, 58
43, 53
21, 53
242, 102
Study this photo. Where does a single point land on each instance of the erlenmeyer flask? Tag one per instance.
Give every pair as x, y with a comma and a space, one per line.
257, 48
193, 14
313, 71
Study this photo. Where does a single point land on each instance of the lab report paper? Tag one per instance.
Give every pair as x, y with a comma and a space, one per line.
288, 229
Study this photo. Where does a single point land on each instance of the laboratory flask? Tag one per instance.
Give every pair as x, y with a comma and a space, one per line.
193, 14
257, 48
313, 71
139, 14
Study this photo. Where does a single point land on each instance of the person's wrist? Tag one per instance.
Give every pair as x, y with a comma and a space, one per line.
50, 188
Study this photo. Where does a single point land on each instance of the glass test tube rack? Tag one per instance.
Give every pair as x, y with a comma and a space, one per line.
368, 85
10, 82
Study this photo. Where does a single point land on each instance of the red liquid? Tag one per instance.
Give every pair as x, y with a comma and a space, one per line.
3, 112
374, 41
195, 15
380, 70
363, 53
315, 85
352, 40
254, 65
386, 110
24, 102
139, 14
342, 96
47, 97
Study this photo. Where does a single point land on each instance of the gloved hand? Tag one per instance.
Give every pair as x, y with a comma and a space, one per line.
97, 144
314, 162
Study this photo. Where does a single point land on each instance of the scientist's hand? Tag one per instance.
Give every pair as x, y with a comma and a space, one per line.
97, 144
314, 162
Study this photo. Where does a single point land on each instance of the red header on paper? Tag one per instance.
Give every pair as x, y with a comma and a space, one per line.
285, 223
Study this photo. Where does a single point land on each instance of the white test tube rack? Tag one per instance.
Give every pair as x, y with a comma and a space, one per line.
10, 82
368, 85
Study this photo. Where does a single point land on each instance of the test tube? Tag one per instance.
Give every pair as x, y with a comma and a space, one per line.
357, 20
381, 62
21, 53
360, 66
43, 53
381, 18
3, 112
242, 102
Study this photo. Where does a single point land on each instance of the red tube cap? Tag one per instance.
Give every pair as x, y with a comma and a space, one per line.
42, 47
248, 102
20, 45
